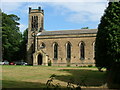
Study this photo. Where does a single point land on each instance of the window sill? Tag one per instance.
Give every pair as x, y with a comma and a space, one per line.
68, 58
82, 59
55, 58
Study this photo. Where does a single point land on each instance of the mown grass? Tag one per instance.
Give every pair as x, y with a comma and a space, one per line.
37, 76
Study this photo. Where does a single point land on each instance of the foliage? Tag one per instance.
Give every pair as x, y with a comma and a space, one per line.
107, 46
113, 78
90, 65
49, 63
11, 37
85, 28
13, 42
23, 45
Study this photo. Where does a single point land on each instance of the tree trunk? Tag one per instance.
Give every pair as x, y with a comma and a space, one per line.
113, 79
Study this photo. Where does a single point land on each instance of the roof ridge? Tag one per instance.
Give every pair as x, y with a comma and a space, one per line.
69, 30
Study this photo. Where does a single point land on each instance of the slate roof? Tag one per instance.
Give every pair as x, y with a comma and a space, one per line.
68, 32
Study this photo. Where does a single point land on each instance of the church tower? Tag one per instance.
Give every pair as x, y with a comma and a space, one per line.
36, 20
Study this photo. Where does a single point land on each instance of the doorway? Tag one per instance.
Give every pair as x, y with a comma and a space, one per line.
39, 59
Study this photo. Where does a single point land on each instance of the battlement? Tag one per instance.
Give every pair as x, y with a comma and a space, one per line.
39, 10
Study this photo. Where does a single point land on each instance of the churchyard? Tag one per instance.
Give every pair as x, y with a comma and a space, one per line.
37, 76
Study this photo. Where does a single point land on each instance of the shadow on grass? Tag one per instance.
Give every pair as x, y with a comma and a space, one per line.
90, 78
20, 84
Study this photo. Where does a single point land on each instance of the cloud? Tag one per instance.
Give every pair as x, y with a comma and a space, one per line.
53, 0
79, 18
81, 11
76, 12
23, 27
10, 6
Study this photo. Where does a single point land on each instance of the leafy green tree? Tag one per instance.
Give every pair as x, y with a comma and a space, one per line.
107, 46
23, 45
85, 28
0, 35
11, 37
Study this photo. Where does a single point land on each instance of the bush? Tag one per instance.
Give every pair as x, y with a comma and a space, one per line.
68, 65
90, 65
50, 63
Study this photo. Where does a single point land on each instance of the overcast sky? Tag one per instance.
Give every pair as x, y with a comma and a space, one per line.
59, 15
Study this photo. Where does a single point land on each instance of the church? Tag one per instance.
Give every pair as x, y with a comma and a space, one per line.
58, 48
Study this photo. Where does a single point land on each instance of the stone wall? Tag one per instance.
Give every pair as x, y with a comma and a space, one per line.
30, 43
75, 41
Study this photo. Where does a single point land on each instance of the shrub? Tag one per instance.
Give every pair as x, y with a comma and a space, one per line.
90, 65
50, 63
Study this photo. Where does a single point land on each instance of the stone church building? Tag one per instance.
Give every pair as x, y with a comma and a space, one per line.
60, 48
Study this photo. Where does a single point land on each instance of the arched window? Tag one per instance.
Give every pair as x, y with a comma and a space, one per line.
34, 22
42, 23
55, 49
93, 50
68, 51
82, 51
42, 45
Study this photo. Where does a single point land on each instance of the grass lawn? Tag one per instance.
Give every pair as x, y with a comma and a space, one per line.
37, 76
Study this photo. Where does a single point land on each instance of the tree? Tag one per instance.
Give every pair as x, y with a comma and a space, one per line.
23, 45
85, 28
107, 46
11, 37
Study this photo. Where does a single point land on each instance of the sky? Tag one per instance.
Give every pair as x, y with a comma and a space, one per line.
59, 14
